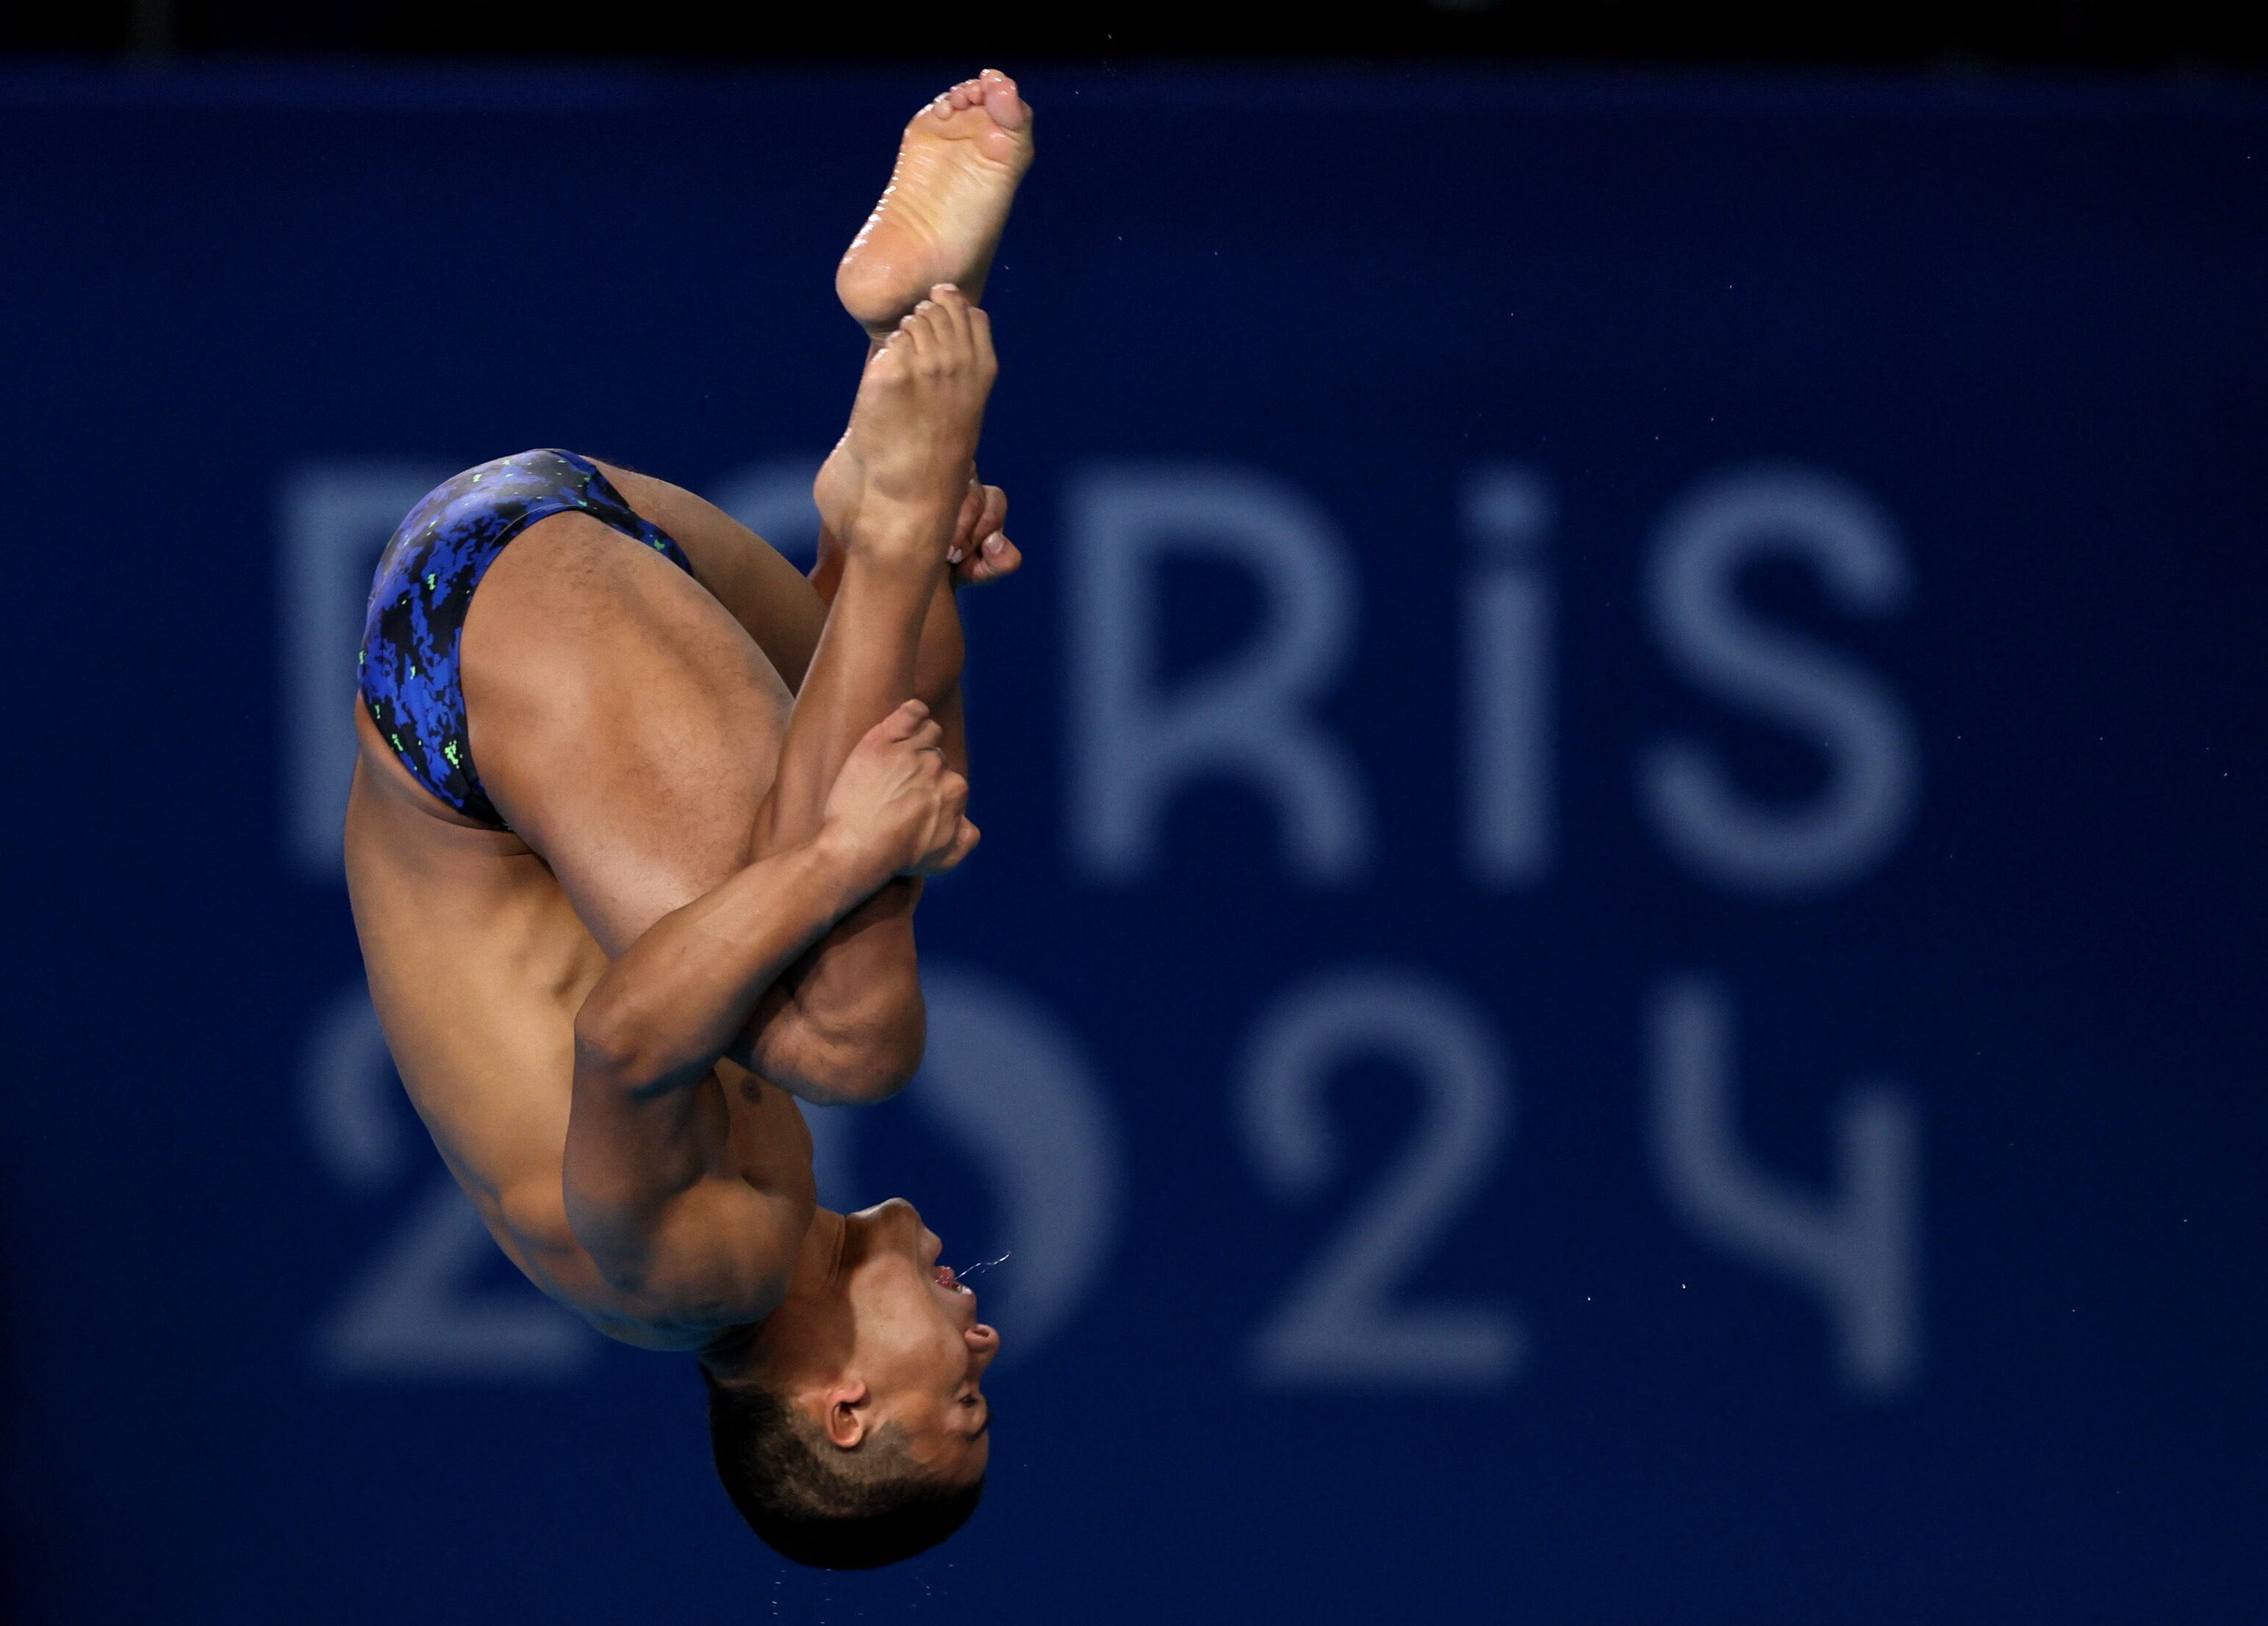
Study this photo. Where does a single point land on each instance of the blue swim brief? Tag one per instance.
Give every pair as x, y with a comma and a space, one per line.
409, 675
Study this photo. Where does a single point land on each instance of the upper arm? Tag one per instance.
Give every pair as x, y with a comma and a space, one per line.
719, 1253
653, 1195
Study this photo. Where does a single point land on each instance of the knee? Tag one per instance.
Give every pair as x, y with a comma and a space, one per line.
851, 1076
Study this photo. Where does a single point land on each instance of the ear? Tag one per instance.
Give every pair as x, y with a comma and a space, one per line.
843, 1413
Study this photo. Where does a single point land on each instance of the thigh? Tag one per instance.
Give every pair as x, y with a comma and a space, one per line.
621, 719
779, 609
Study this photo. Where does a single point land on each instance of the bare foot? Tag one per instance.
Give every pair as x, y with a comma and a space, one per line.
898, 479
940, 219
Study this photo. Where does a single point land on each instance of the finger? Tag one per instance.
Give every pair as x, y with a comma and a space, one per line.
995, 516
964, 842
980, 328
998, 557
929, 737
967, 524
951, 852
888, 361
901, 723
915, 325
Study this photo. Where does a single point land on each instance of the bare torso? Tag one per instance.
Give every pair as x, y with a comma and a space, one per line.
640, 719
478, 961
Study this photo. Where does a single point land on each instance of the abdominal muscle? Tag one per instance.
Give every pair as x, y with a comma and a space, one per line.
477, 965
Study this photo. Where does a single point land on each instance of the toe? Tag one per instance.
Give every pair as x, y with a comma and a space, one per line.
950, 317
927, 329
905, 343
1001, 100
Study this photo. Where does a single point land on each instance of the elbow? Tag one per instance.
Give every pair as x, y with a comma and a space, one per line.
612, 1045
834, 1056
860, 1069
853, 1077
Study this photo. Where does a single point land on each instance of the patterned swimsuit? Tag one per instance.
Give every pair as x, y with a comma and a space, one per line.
409, 673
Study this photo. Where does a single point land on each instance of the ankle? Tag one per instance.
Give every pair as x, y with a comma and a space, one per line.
894, 534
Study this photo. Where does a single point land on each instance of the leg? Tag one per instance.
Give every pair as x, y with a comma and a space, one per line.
891, 494
628, 729
632, 732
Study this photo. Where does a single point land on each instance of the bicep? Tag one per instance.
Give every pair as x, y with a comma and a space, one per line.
654, 1197
723, 1254
716, 1255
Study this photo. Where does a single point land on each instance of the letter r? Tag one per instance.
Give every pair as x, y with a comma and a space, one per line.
1133, 743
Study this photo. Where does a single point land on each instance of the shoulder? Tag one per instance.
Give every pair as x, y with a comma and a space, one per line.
718, 1256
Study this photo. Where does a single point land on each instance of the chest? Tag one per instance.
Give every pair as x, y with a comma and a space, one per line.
771, 1143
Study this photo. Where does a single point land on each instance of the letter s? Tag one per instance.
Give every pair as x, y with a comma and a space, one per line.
1850, 826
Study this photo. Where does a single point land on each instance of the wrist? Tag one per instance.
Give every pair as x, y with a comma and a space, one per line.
846, 864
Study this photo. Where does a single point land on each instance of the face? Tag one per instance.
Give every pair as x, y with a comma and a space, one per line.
916, 1343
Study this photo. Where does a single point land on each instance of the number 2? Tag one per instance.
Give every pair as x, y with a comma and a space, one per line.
1340, 1324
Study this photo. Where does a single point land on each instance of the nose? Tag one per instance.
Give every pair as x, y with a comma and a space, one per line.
895, 1226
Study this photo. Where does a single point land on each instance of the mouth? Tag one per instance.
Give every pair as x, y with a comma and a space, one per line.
946, 1279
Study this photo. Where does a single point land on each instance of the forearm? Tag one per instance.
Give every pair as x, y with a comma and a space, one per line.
677, 997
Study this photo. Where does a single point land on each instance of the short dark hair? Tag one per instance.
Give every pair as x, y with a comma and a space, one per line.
818, 1504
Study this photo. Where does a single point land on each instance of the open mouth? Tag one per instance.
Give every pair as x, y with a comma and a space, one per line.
946, 1278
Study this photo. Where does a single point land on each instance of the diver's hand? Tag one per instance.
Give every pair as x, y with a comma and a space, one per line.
896, 808
980, 550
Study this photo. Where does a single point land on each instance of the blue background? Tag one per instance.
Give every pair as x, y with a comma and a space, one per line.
2022, 327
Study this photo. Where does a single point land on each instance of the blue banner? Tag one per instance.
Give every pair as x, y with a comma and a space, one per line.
1615, 972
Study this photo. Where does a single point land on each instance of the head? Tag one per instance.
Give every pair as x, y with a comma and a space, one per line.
847, 1426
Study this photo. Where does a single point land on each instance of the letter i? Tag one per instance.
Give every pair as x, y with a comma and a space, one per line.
1508, 611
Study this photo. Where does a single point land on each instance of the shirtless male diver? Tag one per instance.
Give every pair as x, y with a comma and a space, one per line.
678, 889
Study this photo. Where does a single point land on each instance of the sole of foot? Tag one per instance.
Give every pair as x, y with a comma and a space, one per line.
940, 218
